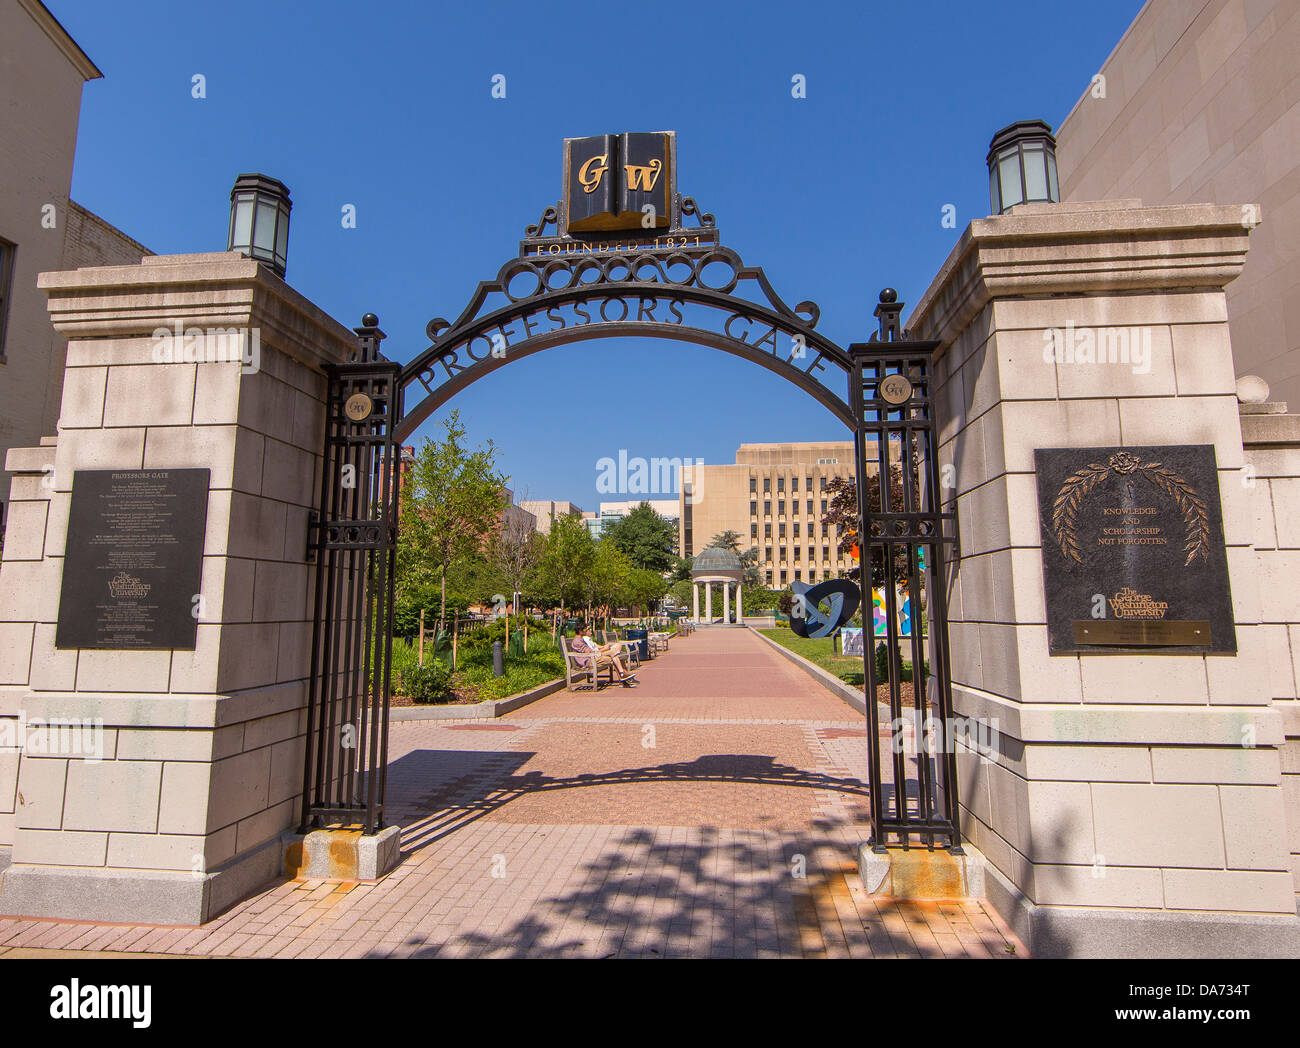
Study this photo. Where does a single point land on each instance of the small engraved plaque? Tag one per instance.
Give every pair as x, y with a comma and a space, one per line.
133, 561
895, 389
1133, 550
358, 407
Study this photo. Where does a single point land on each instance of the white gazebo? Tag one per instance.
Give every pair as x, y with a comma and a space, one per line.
717, 565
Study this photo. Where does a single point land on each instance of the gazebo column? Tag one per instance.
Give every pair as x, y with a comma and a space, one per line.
695, 602
726, 603
708, 601
740, 607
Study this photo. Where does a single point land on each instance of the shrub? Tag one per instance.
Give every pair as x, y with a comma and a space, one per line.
429, 683
882, 663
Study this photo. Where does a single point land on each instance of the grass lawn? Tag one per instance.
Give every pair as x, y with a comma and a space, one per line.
522, 673
847, 667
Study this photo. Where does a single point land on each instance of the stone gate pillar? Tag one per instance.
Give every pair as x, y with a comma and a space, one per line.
202, 750
1131, 804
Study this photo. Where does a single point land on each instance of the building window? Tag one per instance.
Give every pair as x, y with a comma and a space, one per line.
767, 531
780, 483
767, 559
767, 508
780, 507
7, 252
807, 483
753, 485
810, 506
826, 531
767, 485
796, 575
769, 579
783, 577
823, 484
781, 530
753, 531
797, 551
824, 504
753, 508
796, 529
826, 553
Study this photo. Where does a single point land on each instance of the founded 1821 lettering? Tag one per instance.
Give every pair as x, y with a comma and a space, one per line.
134, 560
1133, 550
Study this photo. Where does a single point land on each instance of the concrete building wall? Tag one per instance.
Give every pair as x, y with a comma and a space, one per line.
42, 71
748, 497
1202, 102
1272, 445
545, 510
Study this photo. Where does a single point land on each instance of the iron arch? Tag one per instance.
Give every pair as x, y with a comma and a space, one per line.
670, 295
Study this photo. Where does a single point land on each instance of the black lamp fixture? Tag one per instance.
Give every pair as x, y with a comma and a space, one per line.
1022, 166
259, 220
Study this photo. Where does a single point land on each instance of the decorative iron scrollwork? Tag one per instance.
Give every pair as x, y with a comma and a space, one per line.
690, 207
550, 217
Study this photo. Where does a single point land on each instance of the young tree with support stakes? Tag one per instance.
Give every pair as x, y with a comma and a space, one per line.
452, 500
566, 562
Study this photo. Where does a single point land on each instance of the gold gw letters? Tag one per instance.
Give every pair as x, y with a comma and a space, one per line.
641, 177
589, 177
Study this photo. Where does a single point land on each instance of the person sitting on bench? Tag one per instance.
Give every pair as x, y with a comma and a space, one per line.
604, 654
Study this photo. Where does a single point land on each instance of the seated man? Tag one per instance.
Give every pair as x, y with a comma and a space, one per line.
604, 655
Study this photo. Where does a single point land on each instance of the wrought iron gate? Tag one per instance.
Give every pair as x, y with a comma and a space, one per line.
353, 537
905, 542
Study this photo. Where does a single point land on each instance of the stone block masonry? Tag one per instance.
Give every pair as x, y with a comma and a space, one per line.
202, 750
1135, 803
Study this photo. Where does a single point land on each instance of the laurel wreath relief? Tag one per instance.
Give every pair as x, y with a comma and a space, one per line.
1075, 490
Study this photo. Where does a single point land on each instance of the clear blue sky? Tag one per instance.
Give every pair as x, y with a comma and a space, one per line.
388, 106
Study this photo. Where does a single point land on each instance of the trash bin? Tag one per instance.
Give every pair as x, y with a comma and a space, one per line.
643, 643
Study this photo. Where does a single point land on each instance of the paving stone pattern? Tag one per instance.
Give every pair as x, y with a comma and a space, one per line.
714, 811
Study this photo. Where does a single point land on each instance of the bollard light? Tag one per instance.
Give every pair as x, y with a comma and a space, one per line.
1022, 166
259, 220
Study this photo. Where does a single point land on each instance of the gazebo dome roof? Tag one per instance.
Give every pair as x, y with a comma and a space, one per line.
715, 559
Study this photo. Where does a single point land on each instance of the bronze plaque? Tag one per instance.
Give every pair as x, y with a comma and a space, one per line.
1133, 550
1138, 633
895, 389
358, 407
133, 562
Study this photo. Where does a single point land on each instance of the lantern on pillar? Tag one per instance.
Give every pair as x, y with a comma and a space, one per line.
259, 220
1022, 166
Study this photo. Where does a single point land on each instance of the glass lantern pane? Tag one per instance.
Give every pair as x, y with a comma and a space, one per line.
264, 233
1009, 173
1035, 173
1052, 187
282, 240
995, 198
242, 226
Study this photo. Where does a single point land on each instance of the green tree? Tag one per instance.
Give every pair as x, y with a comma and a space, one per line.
643, 588
514, 552
452, 499
607, 580
566, 562
842, 512
645, 538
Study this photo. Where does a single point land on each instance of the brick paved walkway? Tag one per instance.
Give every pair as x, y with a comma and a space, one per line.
713, 811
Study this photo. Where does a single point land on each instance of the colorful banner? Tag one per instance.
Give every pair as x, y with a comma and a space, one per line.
901, 601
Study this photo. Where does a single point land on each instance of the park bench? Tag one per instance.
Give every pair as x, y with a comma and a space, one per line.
581, 669
658, 642
630, 647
